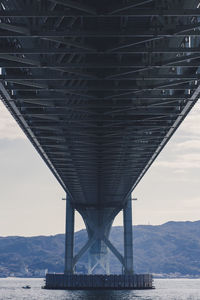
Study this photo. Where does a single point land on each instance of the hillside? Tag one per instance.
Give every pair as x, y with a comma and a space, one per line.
171, 248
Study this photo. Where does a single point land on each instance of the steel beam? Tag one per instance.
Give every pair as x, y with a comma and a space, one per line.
129, 51
125, 79
69, 237
128, 237
129, 6
75, 5
82, 251
136, 12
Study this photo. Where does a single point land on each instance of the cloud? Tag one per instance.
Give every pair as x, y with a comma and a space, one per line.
192, 203
179, 171
181, 162
180, 165
191, 124
183, 153
193, 144
9, 129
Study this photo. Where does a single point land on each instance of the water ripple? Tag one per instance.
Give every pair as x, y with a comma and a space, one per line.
166, 289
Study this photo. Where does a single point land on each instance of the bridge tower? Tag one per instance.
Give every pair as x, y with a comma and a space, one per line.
98, 224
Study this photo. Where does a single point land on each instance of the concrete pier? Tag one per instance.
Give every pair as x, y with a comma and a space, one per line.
115, 282
98, 227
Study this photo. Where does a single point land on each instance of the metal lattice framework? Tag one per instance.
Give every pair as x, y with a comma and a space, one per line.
99, 87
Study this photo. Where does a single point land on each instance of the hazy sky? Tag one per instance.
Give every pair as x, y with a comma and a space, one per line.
30, 197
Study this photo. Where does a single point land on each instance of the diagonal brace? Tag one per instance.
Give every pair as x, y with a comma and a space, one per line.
89, 243
114, 250
98, 234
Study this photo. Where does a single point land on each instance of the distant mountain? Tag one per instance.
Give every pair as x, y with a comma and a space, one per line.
171, 248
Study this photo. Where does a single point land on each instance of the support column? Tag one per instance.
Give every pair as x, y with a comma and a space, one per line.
69, 237
108, 263
128, 238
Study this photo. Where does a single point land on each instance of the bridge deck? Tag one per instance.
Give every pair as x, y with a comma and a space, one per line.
99, 87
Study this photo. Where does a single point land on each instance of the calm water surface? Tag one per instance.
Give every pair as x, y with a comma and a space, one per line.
166, 289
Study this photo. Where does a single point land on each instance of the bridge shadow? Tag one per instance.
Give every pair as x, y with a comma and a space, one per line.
105, 295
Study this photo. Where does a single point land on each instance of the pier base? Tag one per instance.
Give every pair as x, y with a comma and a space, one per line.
84, 282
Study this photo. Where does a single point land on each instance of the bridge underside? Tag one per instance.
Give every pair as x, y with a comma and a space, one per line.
99, 87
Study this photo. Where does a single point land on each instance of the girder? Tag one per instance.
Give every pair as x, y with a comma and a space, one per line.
136, 12
99, 87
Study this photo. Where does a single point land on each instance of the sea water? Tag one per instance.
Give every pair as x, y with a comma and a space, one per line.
165, 289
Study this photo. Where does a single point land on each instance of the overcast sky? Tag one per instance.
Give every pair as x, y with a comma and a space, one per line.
30, 197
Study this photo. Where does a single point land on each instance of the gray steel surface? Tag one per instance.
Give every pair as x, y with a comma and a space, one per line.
99, 87
69, 238
128, 238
